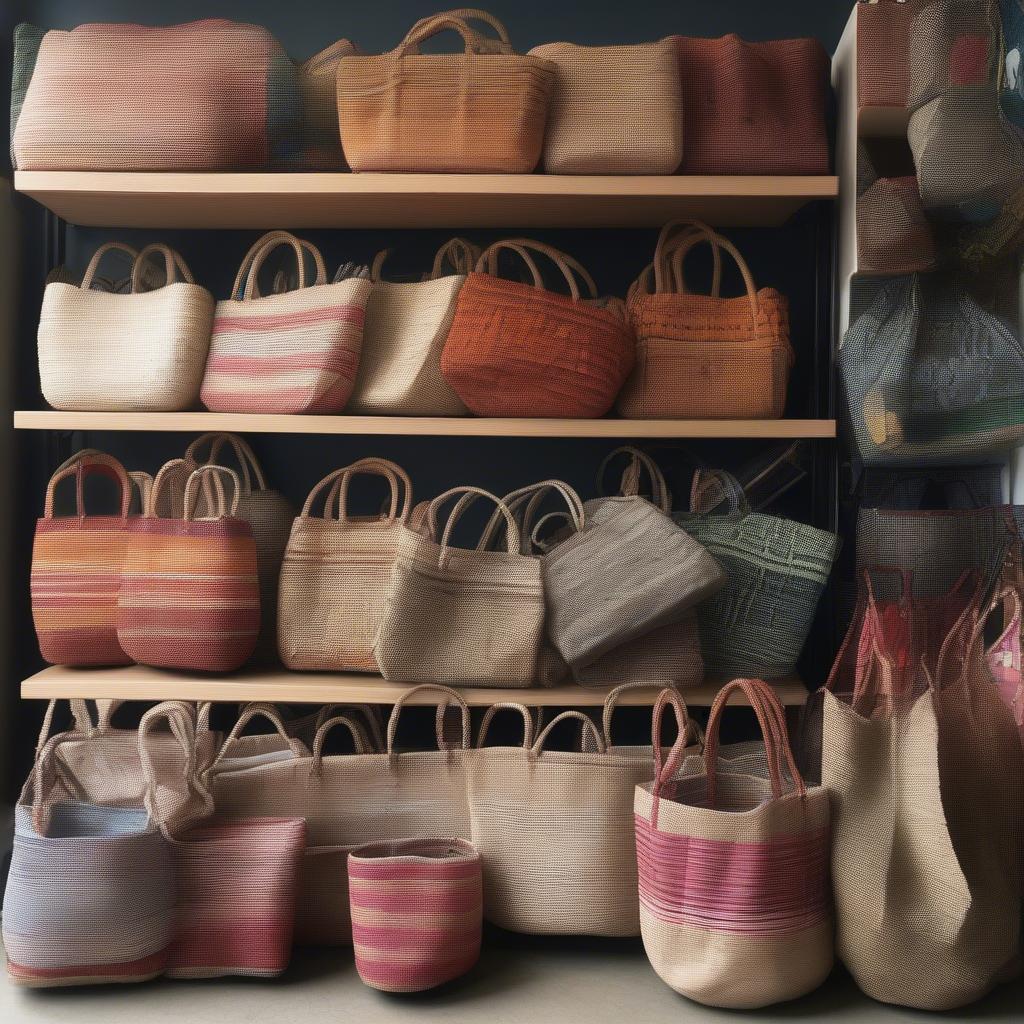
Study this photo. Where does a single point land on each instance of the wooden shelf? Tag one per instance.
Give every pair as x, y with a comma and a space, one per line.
466, 426
297, 200
136, 682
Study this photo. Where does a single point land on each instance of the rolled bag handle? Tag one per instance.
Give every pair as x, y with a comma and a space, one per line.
217, 475
459, 254
571, 269
668, 260
359, 741
257, 710
173, 474
590, 731
247, 279
496, 709
477, 42
611, 703
531, 496
371, 466
97, 256
174, 265
629, 486
469, 494
81, 465
247, 462
664, 772
427, 28
447, 697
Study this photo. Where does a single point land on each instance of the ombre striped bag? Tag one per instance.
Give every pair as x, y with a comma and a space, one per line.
291, 352
190, 595
735, 902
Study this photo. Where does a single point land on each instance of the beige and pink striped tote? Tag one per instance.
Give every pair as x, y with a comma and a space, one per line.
292, 352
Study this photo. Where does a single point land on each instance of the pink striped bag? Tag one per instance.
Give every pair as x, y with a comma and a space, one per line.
417, 911
735, 903
292, 352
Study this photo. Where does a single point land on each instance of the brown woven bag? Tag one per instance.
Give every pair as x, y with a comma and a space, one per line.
470, 112
883, 36
336, 572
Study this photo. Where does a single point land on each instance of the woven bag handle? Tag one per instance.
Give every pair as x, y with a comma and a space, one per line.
688, 243
703, 492
44, 762
217, 475
531, 496
299, 246
611, 703
482, 43
97, 256
572, 270
268, 241
244, 455
427, 28
84, 464
629, 486
334, 496
496, 709
261, 710
459, 253
669, 260
511, 528
375, 735
1008, 596
970, 625
82, 720
359, 741
174, 265
172, 473
447, 696
390, 471
664, 772
143, 483
589, 729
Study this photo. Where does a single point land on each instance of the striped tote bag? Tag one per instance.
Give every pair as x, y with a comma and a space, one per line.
291, 352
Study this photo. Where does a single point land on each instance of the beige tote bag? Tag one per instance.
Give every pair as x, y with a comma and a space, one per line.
470, 618
336, 573
614, 110
144, 351
406, 327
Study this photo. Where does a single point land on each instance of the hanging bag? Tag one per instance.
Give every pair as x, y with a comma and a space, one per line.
520, 350
336, 573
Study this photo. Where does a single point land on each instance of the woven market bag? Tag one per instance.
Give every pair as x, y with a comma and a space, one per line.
517, 349
76, 570
318, 93
336, 573
735, 907
90, 892
267, 511
407, 325
883, 56
190, 596
100, 98
458, 617
927, 852
140, 352
397, 887
754, 108
702, 356
930, 376
472, 112
614, 110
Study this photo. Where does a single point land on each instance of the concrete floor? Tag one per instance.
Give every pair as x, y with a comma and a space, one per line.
520, 980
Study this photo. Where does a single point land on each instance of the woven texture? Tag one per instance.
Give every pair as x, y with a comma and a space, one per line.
883, 60
99, 99
469, 112
521, 350
318, 92
615, 109
140, 352
293, 352
735, 907
703, 356
670, 654
27, 40
754, 108
336, 574
416, 912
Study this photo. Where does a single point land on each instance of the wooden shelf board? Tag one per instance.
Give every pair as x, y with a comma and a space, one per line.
467, 426
136, 682
298, 200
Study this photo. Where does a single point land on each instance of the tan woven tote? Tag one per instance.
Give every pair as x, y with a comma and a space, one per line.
318, 92
140, 352
735, 906
336, 573
407, 324
615, 109
267, 511
703, 356
470, 618
470, 112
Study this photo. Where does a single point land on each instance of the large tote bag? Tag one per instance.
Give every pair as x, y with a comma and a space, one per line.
735, 908
291, 352
336, 573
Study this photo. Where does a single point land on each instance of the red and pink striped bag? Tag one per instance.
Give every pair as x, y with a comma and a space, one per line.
291, 352
735, 902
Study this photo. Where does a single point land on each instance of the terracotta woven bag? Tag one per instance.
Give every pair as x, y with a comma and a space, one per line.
615, 109
702, 356
883, 38
289, 353
190, 596
735, 907
407, 324
76, 570
470, 112
267, 511
336, 573
318, 92
464, 618
140, 352
520, 350
754, 108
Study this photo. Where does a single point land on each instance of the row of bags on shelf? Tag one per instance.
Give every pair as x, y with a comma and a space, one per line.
219, 568
471, 337
702, 106
192, 847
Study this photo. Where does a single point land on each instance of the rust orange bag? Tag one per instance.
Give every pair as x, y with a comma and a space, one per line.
520, 350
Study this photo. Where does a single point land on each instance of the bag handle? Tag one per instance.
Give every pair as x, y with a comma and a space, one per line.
256, 710
572, 270
143, 483
372, 466
702, 492
664, 772
81, 465
969, 627
217, 475
459, 254
82, 721
448, 695
531, 496
482, 44
511, 528
495, 709
427, 28
373, 731
257, 255
590, 730
172, 474
174, 266
97, 256
316, 764
630, 485
244, 455
611, 703
668, 260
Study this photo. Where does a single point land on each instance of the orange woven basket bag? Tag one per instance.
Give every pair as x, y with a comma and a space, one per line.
704, 356
520, 350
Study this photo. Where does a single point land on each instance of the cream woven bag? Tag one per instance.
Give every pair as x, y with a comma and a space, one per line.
336, 573
407, 324
140, 352
614, 110
470, 618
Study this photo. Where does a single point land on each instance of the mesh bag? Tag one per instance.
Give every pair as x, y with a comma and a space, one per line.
615, 109
931, 376
318, 92
100, 98
883, 58
962, 487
